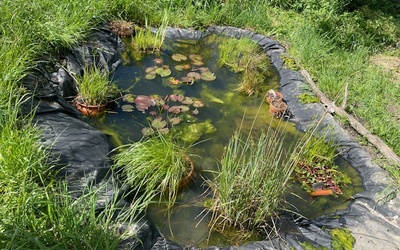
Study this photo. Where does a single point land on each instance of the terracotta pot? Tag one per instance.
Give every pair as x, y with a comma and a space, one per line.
89, 110
189, 177
277, 108
271, 98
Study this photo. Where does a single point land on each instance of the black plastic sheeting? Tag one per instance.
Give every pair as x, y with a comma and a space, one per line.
81, 152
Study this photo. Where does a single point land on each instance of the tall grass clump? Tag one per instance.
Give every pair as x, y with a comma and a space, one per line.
94, 86
147, 41
51, 218
154, 166
245, 57
254, 175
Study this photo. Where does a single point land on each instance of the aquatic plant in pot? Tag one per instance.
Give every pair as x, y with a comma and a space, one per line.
155, 166
95, 91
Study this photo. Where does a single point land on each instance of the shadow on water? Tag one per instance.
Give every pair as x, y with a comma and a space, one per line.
227, 110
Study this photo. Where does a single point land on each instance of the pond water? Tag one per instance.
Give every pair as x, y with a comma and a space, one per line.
226, 110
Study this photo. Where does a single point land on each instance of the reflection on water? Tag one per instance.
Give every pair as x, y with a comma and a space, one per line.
228, 111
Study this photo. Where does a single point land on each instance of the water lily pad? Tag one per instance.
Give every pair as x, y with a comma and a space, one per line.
147, 131
175, 120
143, 102
187, 101
178, 67
195, 57
153, 113
129, 98
181, 67
174, 81
194, 75
180, 98
187, 80
158, 123
163, 131
174, 109
203, 69
173, 97
158, 60
127, 108
179, 57
184, 108
208, 76
197, 63
163, 72
198, 104
150, 76
150, 69
195, 111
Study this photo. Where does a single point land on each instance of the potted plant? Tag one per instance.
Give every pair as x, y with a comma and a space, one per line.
155, 166
95, 91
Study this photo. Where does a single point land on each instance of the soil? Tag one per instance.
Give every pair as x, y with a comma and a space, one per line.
390, 64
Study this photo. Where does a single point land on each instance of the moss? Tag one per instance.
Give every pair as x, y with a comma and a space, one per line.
193, 132
342, 239
289, 62
309, 246
307, 98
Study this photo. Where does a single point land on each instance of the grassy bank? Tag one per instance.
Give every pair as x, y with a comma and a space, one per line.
331, 39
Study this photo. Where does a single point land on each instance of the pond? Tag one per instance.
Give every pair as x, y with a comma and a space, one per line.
221, 110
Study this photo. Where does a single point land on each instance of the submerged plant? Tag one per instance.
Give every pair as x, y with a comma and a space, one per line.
244, 56
316, 169
252, 181
155, 166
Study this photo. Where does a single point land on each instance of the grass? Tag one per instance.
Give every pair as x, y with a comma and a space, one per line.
154, 166
253, 177
146, 41
94, 86
332, 41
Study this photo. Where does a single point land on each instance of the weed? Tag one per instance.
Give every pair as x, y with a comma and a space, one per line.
244, 56
307, 98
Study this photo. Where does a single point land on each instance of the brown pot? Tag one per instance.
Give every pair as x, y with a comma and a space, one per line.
270, 98
189, 177
89, 110
277, 108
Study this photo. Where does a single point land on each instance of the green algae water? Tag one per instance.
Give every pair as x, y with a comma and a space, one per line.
221, 110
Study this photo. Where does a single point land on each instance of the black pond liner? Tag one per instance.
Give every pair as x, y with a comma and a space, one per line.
81, 151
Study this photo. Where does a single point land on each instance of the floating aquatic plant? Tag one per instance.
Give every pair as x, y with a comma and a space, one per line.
159, 123
208, 76
158, 61
173, 81
198, 104
163, 71
130, 98
195, 57
174, 120
148, 131
179, 57
127, 108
